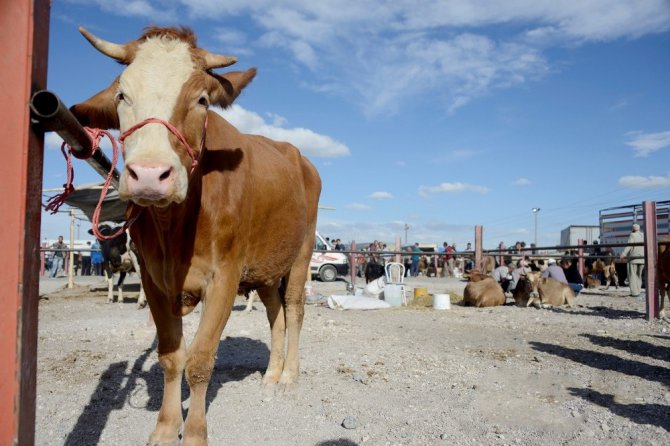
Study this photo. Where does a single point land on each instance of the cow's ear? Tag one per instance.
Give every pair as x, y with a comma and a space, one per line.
229, 86
99, 111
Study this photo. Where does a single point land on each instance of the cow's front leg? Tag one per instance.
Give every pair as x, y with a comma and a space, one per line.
119, 285
109, 275
171, 357
217, 303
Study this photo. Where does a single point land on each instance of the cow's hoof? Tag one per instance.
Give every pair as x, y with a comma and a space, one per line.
175, 442
287, 389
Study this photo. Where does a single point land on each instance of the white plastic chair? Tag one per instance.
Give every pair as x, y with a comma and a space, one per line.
395, 277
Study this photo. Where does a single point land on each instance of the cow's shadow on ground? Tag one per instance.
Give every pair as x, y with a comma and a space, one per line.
237, 358
654, 414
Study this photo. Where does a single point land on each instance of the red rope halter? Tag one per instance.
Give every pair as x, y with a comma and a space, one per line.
55, 202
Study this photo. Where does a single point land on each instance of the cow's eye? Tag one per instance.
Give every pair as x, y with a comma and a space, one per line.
203, 101
120, 97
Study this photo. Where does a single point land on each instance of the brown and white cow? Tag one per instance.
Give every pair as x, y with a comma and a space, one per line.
119, 255
243, 218
605, 269
532, 289
484, 293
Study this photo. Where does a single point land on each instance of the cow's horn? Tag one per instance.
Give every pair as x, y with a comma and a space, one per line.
113, 50
218, 60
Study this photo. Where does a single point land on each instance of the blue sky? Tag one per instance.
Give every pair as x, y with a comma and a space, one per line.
441, 115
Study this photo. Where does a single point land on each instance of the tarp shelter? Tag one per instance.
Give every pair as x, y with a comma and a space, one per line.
85, 197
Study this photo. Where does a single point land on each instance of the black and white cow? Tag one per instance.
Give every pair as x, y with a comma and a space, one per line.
119, 255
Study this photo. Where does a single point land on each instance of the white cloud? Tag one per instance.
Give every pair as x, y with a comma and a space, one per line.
387, 53
381, 195
53, 142
639, 182
232, 41
522, 182
309, 142
358, 206
645, 143
425, 191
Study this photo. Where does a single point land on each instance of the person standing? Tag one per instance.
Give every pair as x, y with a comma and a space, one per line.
635, 258
59, 253
86, 261
415, 259
96, 258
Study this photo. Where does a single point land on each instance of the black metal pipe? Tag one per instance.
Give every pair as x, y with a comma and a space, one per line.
52, 115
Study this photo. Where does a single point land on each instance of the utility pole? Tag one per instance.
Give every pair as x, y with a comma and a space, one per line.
535, 212
406, 229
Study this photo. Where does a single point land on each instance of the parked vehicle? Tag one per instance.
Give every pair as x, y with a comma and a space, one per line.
327, 265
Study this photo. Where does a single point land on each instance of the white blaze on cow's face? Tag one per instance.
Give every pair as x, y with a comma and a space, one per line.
149, 87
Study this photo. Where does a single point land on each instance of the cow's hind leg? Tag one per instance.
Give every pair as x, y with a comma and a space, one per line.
274, 307
294, 307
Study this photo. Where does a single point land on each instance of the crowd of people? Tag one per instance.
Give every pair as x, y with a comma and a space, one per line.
448, 261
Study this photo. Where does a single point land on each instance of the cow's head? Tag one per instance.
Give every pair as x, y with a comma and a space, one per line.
526, 291
169, 78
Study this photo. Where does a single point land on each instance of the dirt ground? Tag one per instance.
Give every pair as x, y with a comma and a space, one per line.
597, 374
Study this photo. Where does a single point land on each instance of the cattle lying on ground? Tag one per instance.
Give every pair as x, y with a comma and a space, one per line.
216, 212
539, 291
484, 293
474, 276
119, 255
592, 282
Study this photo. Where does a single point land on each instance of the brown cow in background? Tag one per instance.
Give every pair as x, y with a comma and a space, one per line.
484, 293
605, 269
542, 292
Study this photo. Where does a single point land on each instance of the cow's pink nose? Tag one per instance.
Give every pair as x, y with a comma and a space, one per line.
150, 180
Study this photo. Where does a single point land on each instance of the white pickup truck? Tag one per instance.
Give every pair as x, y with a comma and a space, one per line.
327, 265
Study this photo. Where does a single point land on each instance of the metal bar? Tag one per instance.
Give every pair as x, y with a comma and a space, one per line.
52, 115
651, 260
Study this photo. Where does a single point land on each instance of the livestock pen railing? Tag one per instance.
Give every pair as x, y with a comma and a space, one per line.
579, 251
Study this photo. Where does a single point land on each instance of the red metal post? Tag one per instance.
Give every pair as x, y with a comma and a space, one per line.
42, 259
479, 231
24, 38
501, 256
651, 260
353, 266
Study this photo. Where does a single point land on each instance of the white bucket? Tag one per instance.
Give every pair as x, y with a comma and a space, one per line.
441, 302
393, 294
